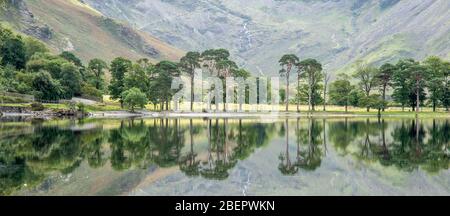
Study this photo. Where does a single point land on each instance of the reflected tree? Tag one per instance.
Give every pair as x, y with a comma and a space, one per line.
286, 167
188, 164
311, 158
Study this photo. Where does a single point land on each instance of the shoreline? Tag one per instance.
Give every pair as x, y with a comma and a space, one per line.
265, 115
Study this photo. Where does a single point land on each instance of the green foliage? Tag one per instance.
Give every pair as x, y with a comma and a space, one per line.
366, 76
8, 80
311, 136
72, 106
310, 70
25, 82
356, 97
12, 52
46, 88
438, 81
408, 79
10, 99
46, 61
12, 49
62, 76
282, 95
138, 77
37, 106
316, 94
241, 73
96, 72
160, 88
226, 67
340, 91
215, 55
90, 91
119, 67
287, 61
33, 46
69, 56
70, 80
190, 62
384, 79
134, 98
81, 107
372, 101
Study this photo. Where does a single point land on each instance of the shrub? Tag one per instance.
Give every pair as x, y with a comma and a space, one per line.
134, 98
72, 106
37, 107
9, 99
81, 107
90, 92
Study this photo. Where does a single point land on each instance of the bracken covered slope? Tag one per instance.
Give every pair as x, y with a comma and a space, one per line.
72, 25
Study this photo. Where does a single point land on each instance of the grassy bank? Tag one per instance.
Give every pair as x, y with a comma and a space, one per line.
109, 106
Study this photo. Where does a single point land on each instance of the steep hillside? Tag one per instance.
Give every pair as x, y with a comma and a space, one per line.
74, 26
337, 32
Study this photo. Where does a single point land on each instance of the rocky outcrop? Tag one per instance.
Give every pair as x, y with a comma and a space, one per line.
18, 11
129, 36
10, 109
48, 113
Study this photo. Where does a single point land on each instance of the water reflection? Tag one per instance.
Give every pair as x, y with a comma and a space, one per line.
412, 145
211, 148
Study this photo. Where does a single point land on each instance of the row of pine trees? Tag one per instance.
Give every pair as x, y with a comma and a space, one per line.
28, 67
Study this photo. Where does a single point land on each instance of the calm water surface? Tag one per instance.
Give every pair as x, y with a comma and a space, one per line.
333, 156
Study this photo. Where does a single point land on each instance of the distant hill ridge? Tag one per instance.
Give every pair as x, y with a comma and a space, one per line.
336, 32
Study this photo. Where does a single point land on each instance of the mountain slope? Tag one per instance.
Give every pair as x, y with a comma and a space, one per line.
74, 26
337, 32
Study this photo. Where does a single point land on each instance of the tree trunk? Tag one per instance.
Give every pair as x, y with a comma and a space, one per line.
209, 102
225, 105
287, 91
325, 97
298, 93
192, 92
384, 95
287, 143
309, 95
368, 109
325, 136
217, 103
434, 106
346, 108
417, 97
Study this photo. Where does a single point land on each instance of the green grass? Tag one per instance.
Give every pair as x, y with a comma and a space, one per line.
331, 110
102, 108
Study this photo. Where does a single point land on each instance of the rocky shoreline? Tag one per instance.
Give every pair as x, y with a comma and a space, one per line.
7, 111
49, 114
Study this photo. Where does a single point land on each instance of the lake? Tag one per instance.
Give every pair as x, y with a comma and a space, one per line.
203, 156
